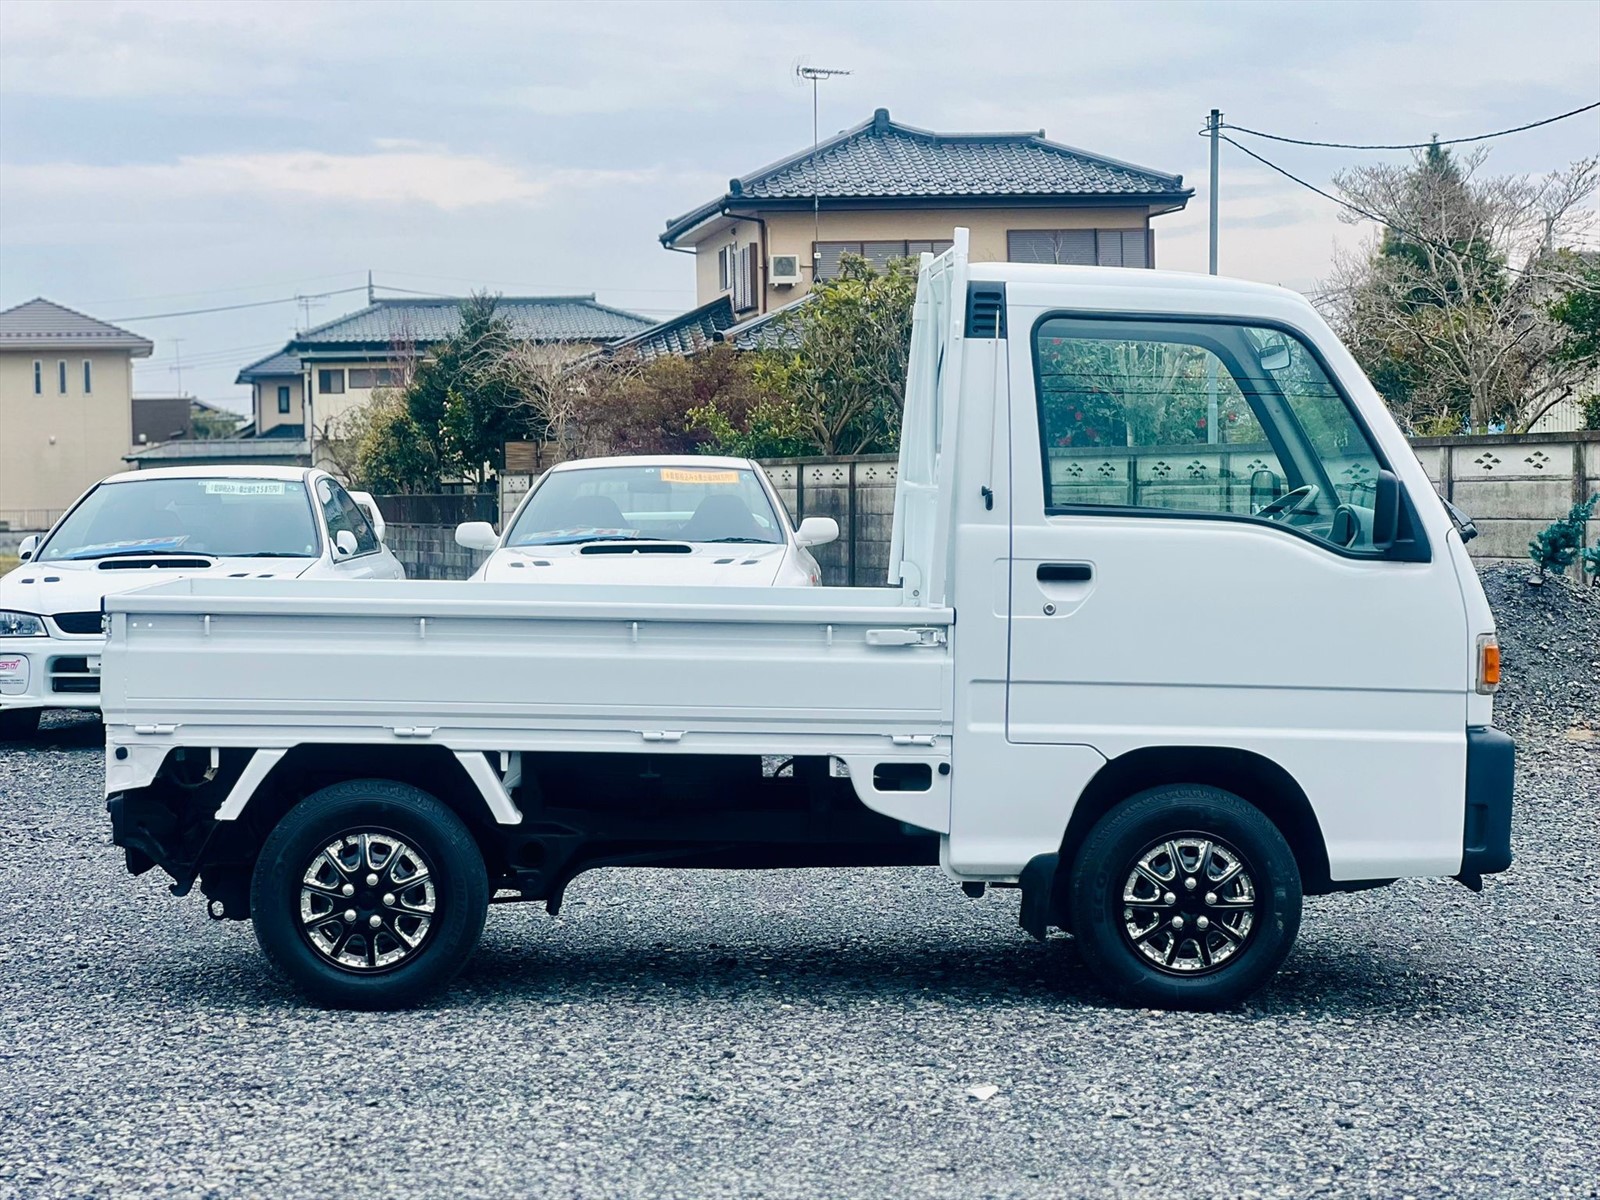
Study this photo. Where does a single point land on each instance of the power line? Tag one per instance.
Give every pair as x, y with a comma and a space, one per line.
1481, 137
196, 312
1371, 216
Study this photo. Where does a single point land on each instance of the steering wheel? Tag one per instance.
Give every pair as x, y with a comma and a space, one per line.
1290, 503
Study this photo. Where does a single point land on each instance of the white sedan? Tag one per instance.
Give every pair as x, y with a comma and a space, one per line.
142, 527
658, 519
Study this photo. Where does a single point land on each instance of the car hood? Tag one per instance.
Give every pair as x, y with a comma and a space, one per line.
58, 587
736, 564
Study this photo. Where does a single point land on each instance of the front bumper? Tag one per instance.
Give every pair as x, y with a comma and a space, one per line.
1491, 779
50, 672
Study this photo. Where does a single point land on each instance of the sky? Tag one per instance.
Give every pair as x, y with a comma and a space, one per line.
159, 157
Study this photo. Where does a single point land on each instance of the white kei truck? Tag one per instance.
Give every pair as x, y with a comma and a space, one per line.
1177, 633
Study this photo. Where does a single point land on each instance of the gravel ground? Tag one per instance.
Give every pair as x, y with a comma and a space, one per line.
800, 1034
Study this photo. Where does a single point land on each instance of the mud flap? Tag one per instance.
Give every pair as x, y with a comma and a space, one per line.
1038, 883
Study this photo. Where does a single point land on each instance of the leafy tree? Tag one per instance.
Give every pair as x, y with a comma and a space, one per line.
464, 399
840, 359
1557, 547
392, 452
1452, 310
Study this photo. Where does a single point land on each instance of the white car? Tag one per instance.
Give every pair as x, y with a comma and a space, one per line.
141, 527
661, 519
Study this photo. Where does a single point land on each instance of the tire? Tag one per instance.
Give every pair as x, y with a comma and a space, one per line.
1207, 947
19, 724
430, 899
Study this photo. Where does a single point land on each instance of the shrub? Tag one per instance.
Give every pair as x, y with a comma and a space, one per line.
1559, 545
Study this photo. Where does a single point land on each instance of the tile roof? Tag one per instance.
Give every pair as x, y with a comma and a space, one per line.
241, 450
274, 365
880, 160
533, 318
42, 324
684, 334
766, 332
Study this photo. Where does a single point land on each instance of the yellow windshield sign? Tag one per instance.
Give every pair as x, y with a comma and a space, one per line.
678, 475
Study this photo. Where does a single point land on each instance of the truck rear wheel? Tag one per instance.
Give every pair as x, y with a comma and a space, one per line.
369, 894
1184, 897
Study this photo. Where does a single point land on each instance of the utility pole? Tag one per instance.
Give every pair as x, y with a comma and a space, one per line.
815, 75
177, 361
1215, 125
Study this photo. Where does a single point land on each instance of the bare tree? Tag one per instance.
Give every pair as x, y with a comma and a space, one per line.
1449, 309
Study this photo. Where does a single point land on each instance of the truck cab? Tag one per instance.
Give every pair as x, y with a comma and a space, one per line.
1175, 632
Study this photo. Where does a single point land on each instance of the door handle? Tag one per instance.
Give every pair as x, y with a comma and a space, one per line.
1064, 573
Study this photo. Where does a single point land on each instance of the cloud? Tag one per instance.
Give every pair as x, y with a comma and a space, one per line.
390, 175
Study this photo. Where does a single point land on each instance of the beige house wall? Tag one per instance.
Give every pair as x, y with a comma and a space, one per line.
333, 406
791, 232
266, 402
53, 446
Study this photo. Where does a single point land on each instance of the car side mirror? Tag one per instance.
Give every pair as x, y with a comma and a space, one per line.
344, 544
1385, 510
817, 531
27, 546
1265, 487
477, 535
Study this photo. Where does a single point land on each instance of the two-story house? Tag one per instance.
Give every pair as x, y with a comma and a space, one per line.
885, 190
66, 407
342, 362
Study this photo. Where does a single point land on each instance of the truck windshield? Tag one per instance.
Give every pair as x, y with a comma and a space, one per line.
263, 518
687, 504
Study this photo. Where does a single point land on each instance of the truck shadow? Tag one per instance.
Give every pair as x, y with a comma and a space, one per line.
1002, 973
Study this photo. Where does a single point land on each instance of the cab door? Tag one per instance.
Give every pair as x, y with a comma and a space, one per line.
343, 515
1200, 558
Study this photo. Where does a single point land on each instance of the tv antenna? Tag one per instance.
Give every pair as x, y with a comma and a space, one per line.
804, 71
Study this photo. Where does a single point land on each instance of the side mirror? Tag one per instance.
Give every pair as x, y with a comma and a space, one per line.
369, 506
1265, 487
344, 544
27, 546
817, 531
477, 535
1385, 511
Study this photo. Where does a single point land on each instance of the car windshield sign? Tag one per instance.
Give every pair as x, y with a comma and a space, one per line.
647, 503
216, 518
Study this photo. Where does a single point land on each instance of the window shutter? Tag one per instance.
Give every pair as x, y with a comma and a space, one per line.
1074, 246
830, 254
752, 270
744, 280
1133, 248
1030, 246
1108, 247
879, 253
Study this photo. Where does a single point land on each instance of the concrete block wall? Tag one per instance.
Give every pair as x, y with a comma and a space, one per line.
430, 551
857, 492
1513, 485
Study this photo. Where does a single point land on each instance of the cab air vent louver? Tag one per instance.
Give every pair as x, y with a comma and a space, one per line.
986, 310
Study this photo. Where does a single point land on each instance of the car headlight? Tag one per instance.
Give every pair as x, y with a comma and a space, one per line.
21, 624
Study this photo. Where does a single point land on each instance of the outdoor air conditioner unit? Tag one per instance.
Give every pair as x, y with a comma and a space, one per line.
785, 270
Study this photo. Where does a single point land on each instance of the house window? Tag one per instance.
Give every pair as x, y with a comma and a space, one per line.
371, 377
61, 376
331, 382
745, 285
879, 254
725, 269
283, 399
88, 378
1080, 247
38, 378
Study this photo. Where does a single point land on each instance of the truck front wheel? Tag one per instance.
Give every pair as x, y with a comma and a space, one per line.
1184, 897
369, 894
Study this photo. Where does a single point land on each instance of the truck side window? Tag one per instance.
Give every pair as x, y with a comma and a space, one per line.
1201, 418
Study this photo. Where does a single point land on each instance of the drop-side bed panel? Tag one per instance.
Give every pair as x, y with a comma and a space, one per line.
473, 657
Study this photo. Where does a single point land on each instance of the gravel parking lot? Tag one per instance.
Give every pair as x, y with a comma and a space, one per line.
798, 1034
